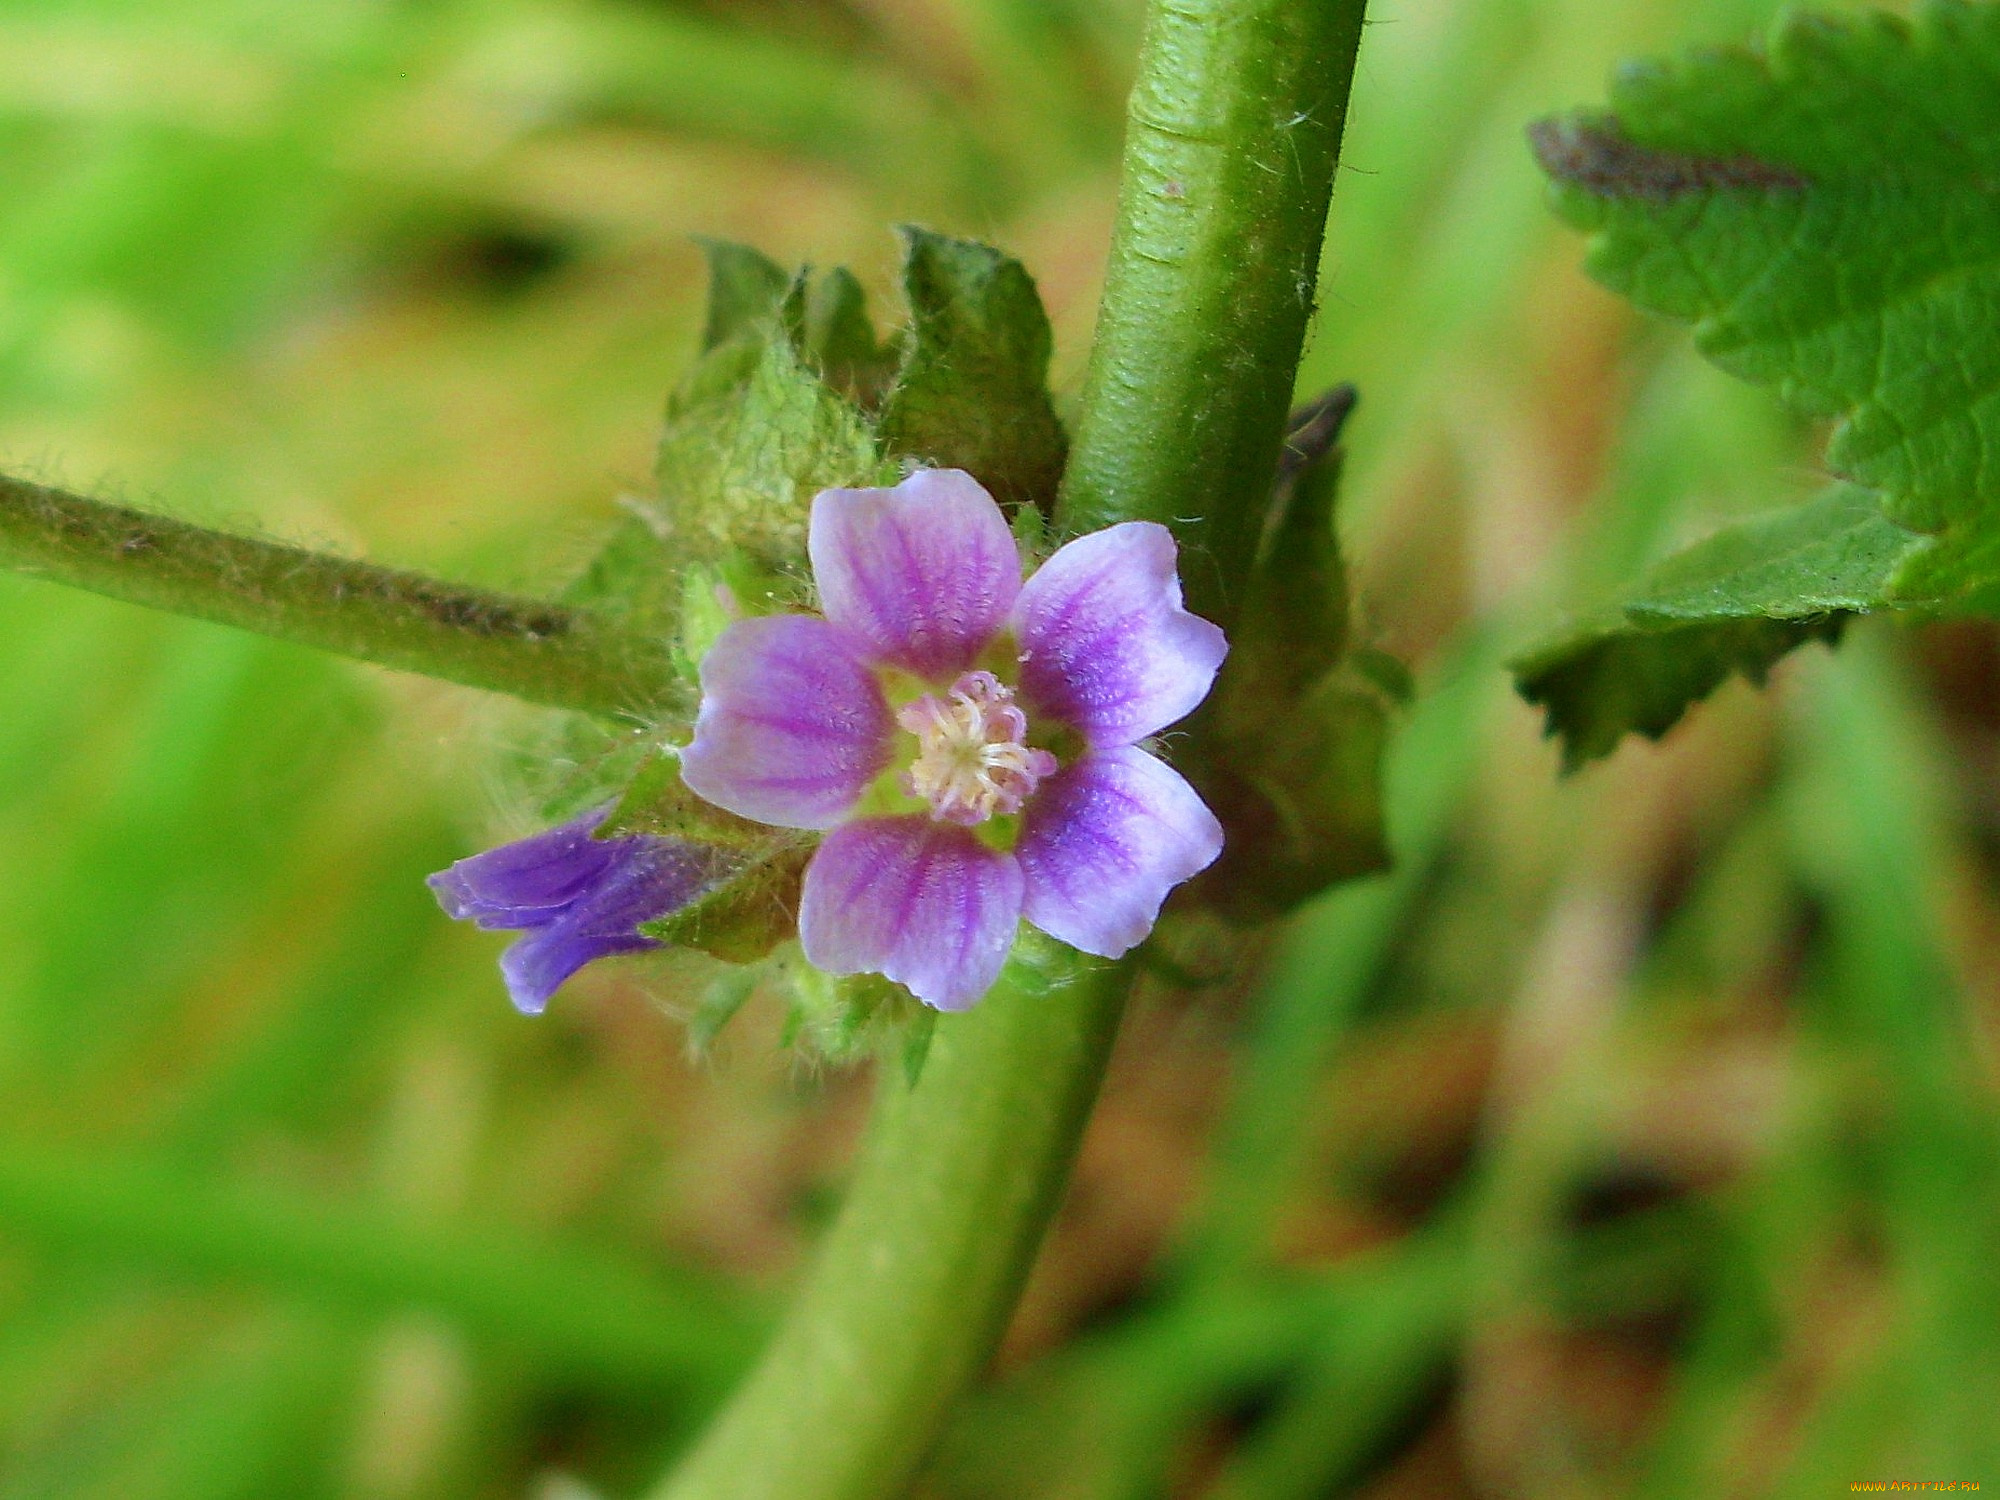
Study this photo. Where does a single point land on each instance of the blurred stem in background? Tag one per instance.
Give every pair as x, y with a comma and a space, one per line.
1234, 129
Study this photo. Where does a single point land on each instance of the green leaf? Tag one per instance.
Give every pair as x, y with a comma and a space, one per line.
1823, 213
973, 390
1604, 683
1733, 603
1288, 751
1835, 552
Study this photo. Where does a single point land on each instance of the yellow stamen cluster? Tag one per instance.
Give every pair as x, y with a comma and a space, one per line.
973, 761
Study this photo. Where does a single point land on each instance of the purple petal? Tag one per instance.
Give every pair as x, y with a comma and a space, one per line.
579, 898
925, 572
792, 726
537, 966
522, 883
647, 878
1106, 647
1104, 841
925, 903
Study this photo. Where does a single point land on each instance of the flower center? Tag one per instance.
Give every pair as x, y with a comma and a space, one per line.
973, 760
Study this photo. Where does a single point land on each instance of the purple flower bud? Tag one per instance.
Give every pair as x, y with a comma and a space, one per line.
576, 897
970, 741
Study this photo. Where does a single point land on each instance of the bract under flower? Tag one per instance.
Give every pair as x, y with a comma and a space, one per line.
970, 740
578, 898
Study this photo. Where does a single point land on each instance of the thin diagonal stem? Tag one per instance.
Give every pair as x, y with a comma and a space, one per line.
543, 652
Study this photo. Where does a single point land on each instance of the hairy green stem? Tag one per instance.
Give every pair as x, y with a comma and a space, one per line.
545, 653
1234, 128
1234, 132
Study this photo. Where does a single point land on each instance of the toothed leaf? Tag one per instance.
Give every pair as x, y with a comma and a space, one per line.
1823, 212
973, 390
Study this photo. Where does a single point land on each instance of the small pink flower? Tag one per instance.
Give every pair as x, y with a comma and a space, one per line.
969, 741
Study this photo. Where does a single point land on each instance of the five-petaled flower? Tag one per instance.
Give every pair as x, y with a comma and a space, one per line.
969, 742
577, 897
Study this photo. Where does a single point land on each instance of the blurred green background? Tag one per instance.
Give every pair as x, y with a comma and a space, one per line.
1635, 1137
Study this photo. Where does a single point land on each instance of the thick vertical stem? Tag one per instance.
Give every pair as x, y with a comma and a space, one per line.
1234, 133
1235, 125
915, 1281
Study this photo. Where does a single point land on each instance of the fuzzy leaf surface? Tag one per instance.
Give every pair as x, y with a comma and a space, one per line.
752, 434
973, 390
1826, 212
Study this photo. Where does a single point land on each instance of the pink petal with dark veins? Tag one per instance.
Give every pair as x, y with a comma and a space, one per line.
924, 572
1103, 842
793, 726
923, 902
1106, 647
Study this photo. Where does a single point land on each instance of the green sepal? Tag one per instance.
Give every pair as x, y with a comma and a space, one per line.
725, 995
564, 765
845, 1017
745, 287
639, 575
740, 461
656, 801
973, 391
1034, 535
1291, 629
632, 580
750, 910
1388, 675
752, 905
752, 434
829, 323
705, 613
1288, 750
917, 1037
